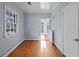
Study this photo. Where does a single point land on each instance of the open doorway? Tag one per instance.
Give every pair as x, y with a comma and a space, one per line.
44, 28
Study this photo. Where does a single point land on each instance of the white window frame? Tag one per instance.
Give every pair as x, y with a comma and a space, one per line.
10, 32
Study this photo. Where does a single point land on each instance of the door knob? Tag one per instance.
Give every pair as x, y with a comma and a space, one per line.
76, 39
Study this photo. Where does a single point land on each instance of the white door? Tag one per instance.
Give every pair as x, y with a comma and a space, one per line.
71, 30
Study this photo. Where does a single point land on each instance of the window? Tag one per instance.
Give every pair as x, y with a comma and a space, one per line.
10, 22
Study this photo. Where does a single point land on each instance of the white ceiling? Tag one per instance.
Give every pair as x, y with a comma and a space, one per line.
35, 7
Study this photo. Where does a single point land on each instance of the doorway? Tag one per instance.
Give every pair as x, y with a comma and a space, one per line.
44, 28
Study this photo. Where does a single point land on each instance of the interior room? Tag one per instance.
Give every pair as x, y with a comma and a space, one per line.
39, 29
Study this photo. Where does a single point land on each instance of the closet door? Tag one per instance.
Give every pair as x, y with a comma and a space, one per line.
71, 30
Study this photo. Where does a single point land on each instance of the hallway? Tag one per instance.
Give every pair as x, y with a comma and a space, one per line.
36, 48
39, 29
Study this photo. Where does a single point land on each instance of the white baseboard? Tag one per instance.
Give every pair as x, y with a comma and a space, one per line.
61, 50
6, 54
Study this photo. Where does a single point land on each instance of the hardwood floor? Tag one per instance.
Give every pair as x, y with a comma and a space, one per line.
35, 48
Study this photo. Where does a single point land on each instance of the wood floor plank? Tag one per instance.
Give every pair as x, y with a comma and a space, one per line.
35, 48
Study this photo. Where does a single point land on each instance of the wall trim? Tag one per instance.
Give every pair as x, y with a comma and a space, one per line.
7, 53
58, 47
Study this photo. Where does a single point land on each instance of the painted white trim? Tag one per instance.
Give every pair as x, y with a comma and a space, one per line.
6, 54
61, 50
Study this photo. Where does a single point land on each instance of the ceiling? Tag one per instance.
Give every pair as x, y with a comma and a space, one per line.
35, 7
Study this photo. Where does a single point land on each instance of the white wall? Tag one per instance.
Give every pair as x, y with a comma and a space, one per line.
8, 43
58, 30
58, 26
33, 25
59, 38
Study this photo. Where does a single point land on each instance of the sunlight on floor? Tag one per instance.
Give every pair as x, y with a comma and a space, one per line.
43, 47
43, 44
